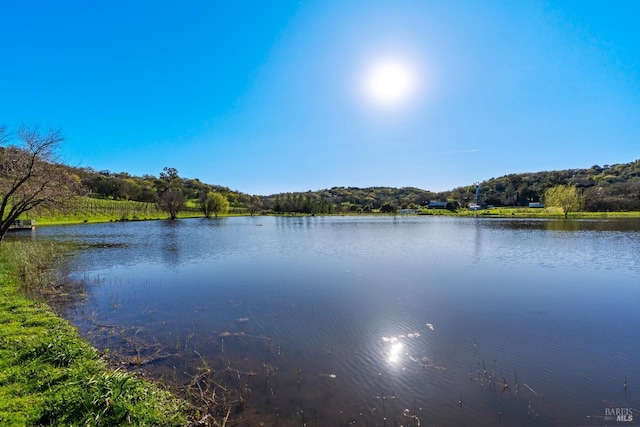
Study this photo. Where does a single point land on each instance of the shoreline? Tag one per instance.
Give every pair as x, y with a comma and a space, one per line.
27, 325
485, 213
50, 375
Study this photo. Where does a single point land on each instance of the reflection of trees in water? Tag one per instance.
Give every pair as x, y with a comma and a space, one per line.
170, 244
627, 224
604, 224
235, 365
477, 247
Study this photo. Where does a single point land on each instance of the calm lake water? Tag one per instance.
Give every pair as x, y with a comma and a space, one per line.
379, 321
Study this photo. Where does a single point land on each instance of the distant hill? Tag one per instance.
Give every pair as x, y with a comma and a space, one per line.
605, 188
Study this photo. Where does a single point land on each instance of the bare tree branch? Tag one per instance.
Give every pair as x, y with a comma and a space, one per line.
30, 176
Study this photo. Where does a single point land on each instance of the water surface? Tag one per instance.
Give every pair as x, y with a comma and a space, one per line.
376, 320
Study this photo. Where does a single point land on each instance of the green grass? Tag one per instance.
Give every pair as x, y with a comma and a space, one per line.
550, 213
88, 210
92, 210
48, 374
528, 213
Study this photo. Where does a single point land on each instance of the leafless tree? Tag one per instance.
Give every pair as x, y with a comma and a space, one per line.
254, 204
172, 202
30, 176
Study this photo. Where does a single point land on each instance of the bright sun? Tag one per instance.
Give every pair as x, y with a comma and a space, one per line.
389, 83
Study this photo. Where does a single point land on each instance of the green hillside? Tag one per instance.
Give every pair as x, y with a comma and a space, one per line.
117, 196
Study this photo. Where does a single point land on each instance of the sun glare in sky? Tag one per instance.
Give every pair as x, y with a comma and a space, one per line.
390, 83
494, 88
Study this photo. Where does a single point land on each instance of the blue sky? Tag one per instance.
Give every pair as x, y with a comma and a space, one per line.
267, 96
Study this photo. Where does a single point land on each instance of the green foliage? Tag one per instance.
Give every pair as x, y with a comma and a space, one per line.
604, 188
306, 203
565, 197
387, 207
349, 200
107, 398
89, 209
213, 203
171, 198
35, 264
148, 188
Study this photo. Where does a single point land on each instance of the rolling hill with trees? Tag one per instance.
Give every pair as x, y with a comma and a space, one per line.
30, 178
603, 188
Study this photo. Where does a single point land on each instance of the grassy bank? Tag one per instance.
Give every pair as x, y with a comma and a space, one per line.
88, 209
528, 213
48, 374
91, 210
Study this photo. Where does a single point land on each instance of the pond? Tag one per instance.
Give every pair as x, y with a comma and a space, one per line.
377, 321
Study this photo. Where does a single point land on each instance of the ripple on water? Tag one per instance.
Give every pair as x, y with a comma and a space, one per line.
358, 319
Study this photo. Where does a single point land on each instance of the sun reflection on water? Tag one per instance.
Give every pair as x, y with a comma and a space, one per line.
395, 352
407, 350
395, 347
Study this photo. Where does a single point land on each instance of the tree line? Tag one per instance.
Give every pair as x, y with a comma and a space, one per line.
602, 188
32, 177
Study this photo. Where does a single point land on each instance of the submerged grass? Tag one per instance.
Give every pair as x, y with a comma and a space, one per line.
48, 374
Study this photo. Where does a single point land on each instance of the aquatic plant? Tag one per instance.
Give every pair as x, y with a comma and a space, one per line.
48, 375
